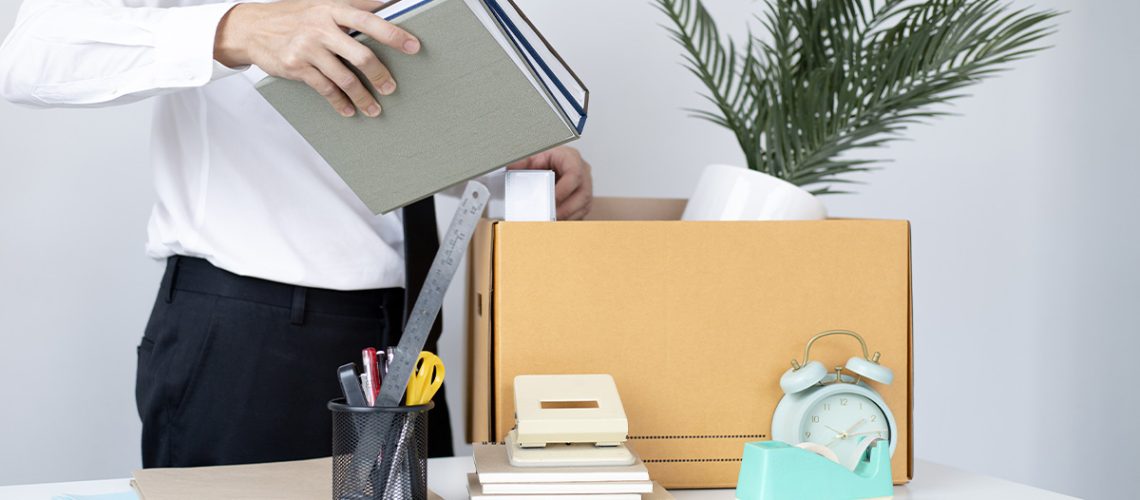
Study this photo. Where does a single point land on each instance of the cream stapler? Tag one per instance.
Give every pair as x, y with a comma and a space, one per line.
568, 421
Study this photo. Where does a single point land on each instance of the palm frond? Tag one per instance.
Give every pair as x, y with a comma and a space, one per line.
836, 76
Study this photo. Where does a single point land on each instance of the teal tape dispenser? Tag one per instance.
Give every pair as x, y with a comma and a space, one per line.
773, 470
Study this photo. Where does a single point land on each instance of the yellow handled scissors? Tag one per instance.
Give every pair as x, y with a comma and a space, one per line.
426, 379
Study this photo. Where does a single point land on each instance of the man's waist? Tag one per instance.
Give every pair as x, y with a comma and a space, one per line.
193, 274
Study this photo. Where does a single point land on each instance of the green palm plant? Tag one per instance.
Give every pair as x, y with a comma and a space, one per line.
834, 76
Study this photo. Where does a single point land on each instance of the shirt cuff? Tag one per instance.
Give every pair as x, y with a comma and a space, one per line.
184, 43
222, 71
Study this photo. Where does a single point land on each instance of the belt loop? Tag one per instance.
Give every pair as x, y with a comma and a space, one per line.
297, 314
170, 277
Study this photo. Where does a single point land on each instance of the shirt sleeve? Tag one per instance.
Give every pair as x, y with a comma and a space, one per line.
86, 53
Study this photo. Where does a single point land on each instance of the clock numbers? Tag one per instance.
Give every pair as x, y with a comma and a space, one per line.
841, 421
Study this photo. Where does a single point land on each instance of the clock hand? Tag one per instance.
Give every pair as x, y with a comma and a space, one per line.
853, 434
856, 424
838, 433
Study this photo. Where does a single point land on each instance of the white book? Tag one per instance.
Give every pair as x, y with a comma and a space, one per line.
475, 489
567, 488
492, 466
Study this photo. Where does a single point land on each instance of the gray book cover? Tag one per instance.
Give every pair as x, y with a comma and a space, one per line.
462, 108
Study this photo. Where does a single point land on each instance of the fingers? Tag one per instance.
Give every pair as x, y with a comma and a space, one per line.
574, 189
566, 185
571, 170
377, 28
358, 16
319, 82
364, 60
577, 205
347, 81
368, 5
523, 164
580, 214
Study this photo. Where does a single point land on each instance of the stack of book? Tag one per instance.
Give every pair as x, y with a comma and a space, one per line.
496, 479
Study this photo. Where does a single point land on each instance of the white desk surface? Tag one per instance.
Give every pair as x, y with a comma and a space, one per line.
448, 478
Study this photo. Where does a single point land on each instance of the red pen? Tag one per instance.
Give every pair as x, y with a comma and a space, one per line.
373, 374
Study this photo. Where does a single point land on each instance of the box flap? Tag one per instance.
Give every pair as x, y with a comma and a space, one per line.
636, 209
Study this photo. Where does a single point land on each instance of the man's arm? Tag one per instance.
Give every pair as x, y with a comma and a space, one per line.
102, 52
91, 53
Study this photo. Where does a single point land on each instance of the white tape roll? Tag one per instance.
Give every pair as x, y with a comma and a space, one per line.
860, 450
820, 450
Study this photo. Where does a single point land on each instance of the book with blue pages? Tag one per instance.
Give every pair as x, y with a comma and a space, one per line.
486, 89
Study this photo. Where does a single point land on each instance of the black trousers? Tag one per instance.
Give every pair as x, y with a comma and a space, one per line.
239, 370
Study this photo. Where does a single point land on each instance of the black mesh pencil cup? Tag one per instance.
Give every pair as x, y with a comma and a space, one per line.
379, 453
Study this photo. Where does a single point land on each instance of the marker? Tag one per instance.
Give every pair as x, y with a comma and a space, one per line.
373, 374
353, 395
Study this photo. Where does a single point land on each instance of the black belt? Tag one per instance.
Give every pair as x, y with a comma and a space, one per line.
198, 275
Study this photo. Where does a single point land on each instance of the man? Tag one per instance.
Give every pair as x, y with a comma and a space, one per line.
276, 272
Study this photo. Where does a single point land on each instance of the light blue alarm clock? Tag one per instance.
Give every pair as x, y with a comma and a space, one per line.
834, 409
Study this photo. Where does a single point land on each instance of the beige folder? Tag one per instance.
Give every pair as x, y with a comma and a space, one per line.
297, 480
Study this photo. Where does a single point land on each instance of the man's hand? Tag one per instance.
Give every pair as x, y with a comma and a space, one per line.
301, 40
573, 185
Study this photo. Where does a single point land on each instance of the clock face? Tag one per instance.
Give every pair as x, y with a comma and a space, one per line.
840, 420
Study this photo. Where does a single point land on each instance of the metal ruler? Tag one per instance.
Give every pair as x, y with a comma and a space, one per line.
430, 300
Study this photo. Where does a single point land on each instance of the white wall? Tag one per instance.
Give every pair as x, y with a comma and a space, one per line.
75, 289
1025, 248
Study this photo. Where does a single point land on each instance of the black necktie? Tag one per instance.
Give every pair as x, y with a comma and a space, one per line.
421, 242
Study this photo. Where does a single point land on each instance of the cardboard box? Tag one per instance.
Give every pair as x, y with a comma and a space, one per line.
696, 321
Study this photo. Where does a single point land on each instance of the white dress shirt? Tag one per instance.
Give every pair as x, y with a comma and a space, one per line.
236, 184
